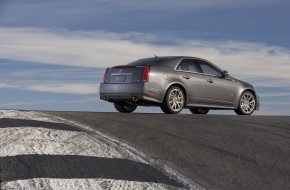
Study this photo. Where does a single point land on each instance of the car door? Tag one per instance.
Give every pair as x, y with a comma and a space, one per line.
220, 90
193, 81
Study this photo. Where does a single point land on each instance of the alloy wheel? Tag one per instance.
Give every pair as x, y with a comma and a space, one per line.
176, 99
247, 103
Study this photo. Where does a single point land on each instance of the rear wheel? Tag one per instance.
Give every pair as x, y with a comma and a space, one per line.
199, 110
247, 104
174, 101
125, 107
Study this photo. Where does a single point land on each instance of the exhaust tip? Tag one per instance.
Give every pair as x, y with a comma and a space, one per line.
135, 99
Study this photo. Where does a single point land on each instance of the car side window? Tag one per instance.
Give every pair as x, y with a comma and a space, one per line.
188, 65
209, 69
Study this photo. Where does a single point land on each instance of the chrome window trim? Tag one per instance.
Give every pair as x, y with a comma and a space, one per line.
175, 69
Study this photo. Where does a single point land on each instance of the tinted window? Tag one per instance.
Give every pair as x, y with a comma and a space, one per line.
188, 65
147, 61
209, 69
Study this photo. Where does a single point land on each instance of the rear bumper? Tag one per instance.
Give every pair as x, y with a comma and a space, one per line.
125, 92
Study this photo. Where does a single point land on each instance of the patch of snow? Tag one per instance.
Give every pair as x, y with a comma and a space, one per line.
26, 115
32, 140
87, 184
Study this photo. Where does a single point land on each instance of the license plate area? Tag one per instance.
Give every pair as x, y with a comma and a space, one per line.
119, 78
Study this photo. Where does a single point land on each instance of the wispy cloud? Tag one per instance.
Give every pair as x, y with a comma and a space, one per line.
54, 87
7, 85
23, 103
276, 94
49, 78
66, 88
101, 49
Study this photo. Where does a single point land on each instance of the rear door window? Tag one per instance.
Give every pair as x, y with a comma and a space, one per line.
188, 65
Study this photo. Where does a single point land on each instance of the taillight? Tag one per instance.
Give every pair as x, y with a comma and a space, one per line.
145, 75
105, 75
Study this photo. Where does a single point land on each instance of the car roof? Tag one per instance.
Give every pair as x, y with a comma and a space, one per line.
178, 57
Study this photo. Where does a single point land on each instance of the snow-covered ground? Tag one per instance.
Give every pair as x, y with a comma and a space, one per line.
50, 151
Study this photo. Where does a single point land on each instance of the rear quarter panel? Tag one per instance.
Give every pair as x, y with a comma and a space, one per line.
161, 78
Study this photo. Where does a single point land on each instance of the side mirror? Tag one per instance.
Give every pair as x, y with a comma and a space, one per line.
225, 74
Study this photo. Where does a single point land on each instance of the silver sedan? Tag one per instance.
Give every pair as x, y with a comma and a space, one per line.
174, 83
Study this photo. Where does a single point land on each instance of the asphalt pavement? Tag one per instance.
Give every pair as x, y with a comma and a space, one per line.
216, 151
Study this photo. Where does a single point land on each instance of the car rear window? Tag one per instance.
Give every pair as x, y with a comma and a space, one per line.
147, 61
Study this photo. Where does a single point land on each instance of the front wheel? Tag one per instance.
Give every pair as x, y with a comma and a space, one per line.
174, 100
199, 110
125, 107
247, 104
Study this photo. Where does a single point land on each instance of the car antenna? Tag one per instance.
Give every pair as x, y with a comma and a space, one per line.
155, 57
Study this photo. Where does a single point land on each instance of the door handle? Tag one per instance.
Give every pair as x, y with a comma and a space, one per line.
210, 80
186, 77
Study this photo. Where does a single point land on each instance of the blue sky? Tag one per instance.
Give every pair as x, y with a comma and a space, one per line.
53, 53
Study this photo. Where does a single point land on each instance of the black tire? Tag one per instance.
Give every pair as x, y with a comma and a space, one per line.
174, 100
125, 107
247, 103
237, 111
199, 110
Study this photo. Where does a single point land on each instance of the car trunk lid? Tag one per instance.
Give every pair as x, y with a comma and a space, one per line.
127, 74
